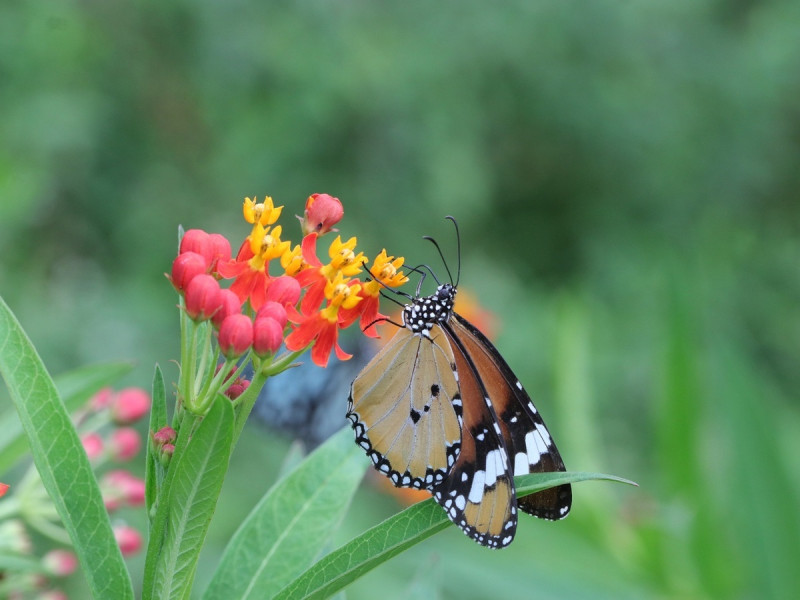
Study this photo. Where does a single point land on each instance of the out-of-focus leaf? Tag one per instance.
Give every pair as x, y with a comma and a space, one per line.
61, 462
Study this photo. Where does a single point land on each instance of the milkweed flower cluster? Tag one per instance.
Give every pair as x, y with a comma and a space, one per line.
248, 311
279, 295
106, 427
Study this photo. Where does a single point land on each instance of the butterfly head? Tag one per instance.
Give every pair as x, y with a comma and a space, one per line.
425, 312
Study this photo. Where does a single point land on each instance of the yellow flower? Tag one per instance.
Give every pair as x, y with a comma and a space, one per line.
341, 293
264, 213
385, 269
292, 261
343, 259
266, 244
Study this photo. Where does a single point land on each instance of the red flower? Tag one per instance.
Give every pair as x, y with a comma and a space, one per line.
251, 266
249, 283
385, 274
322, 328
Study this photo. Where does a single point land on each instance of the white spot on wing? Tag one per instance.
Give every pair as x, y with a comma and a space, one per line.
540, 444
521, 466
494, 467
476, 491
531, 448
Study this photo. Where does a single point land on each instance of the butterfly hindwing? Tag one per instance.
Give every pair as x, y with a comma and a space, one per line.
478, 495
406, 411
526, 437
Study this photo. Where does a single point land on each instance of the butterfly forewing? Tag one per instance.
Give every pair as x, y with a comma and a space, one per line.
478, 496
530, 447
406, 411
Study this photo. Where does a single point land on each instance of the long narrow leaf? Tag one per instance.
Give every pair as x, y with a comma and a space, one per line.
191, 500
398, 533
62, 462
158, 419
74, 387
292, 523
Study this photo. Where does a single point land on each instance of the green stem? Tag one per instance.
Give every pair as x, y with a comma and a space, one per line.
246, 402
48, 529
283, 362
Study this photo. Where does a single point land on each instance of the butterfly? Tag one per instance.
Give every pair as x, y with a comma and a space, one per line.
439, 409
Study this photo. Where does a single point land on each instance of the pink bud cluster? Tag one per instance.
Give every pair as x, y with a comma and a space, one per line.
164, 443
121, 409
120, 488
194, 275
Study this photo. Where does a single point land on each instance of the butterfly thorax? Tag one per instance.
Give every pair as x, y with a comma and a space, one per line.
425, 312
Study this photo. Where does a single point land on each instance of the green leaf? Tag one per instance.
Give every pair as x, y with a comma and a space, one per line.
398, 533
75, 388
291, 524
189, 499
61, 462
158, 419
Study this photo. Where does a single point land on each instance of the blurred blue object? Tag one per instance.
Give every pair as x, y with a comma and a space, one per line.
309, 402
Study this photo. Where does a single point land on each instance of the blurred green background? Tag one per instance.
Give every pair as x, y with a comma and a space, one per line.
626, 180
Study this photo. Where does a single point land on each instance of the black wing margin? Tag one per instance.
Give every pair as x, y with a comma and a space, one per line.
530, 447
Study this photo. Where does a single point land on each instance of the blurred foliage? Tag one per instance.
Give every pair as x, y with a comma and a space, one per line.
625, 177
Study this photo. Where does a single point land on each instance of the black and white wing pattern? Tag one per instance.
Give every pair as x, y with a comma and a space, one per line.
438, 408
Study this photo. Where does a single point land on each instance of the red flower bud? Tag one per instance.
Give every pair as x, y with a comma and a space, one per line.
274, 310
235, 335
120, 487
167, 450
128, 539
92, 445
267, 336
165, 435
60, 562
237, 388
186, 267
203, 297
3, 489
125, 443
130, 405
221, 250
229, 305
102, 399
322, 213
197, 240
284, 290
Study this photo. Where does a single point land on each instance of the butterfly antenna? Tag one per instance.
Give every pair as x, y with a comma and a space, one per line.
395, 300
382, 320
458, 255
441, 255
